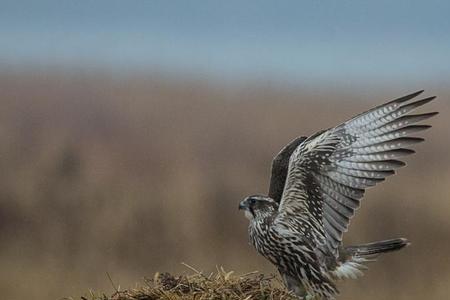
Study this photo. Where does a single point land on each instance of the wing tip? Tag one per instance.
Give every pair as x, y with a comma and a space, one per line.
396, 163
429, 115
416, 118
429, 99
408, 151
408, 97
415, 140
421, 102
419, 127
417, 93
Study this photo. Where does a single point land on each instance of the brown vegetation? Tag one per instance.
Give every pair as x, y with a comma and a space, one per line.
217, 285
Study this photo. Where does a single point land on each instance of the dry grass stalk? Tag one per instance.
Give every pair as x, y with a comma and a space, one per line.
218, 285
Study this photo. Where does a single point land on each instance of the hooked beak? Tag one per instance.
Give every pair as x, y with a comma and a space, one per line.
243, 205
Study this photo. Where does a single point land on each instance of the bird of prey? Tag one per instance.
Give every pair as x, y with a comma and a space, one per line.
316, 185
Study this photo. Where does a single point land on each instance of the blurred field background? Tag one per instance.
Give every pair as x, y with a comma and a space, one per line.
135, 175
130, 132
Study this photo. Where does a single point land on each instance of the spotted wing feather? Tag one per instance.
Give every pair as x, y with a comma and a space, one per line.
329, 172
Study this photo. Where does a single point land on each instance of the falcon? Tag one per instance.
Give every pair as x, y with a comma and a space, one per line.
316, 185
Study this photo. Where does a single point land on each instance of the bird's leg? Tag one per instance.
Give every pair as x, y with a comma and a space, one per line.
294, 285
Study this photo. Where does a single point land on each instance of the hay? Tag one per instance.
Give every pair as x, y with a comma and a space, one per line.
218, 285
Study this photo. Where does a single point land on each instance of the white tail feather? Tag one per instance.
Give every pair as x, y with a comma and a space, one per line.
351, 269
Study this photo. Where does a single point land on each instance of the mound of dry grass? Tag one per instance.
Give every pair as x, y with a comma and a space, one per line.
219, 285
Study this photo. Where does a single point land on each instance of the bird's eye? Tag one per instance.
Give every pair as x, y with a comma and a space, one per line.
252, 201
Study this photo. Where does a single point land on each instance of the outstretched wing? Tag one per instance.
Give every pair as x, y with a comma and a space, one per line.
329, 172
280, 165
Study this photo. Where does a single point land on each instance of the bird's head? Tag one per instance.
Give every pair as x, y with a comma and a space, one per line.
258, 206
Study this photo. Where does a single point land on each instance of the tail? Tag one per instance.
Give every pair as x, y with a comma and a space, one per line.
372, 250
354, 258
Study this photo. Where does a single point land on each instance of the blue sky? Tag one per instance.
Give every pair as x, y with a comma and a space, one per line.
305, 40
